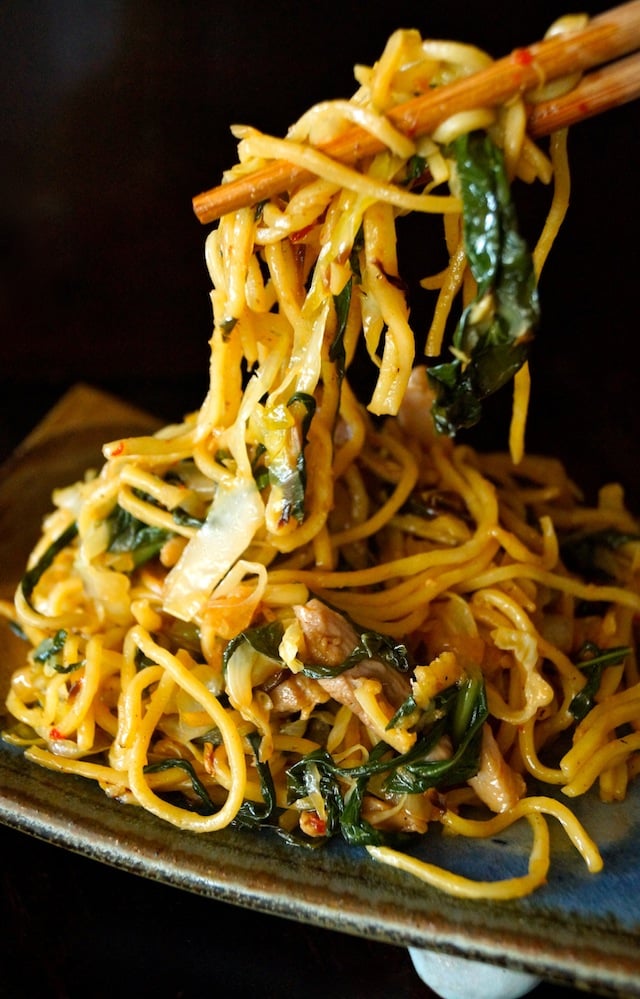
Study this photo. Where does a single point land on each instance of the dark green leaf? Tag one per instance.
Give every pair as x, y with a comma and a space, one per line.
415, 170
355, 829
460, 713
128, 534
208, 807
291, 476
49, 651
50, 647
496, 329
259, 469
586, 553
32, 577
593, 667
342, 303
185, 519
467, 712
317, 774
251, 814
142, 660
265, 639
408, 708
354, 256
371, 645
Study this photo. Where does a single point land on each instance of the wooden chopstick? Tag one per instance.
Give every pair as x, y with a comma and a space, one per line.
601, 90
606, 37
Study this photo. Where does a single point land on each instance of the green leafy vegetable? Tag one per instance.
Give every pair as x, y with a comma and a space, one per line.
50, 647
467, 712
415, 170
371, 645
142, 660
33, 576
264, 639
250, 813
342, 303
354, 256
492, 339
314, 775
406, 710
459, 712
259, 469
354, 828
593, 667
49, 651
143, 541
129, 534
185, 519
317, 774
176, 762
288, 470
589, 554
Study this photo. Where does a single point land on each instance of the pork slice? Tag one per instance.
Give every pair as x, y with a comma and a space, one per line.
496, 784
329, 639
298, 693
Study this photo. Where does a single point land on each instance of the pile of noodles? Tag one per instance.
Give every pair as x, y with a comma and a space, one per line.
286, 502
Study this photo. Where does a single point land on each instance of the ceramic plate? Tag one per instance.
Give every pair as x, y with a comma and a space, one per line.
581, 928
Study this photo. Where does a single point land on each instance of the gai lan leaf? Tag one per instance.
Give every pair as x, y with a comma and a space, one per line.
493, 337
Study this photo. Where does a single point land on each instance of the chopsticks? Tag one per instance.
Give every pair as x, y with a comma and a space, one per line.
607, 37
601, 90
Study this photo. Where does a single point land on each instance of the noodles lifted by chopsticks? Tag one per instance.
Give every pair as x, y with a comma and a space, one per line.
300, 611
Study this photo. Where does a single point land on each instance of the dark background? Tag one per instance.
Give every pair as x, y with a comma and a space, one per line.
113, 115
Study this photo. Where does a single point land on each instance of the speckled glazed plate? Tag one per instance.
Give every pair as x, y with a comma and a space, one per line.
580, 928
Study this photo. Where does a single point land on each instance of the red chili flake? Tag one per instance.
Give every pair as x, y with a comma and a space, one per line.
56, 734
318, 825
523, 56
117, 449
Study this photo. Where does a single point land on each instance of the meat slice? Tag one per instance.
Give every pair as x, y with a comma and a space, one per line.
298, 693
496, 784
329, 639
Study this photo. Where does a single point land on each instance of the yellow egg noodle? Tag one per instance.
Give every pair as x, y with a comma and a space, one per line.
298, 610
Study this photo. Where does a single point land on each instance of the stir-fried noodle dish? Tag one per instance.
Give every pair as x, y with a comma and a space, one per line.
328, 615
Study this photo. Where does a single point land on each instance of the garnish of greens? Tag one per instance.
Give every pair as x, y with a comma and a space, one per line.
593, 666
493, 337
457, 713
490, 344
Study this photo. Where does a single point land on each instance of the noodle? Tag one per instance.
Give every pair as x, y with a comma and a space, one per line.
325, 615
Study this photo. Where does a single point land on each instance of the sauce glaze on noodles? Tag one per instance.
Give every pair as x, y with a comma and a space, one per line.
187, 633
